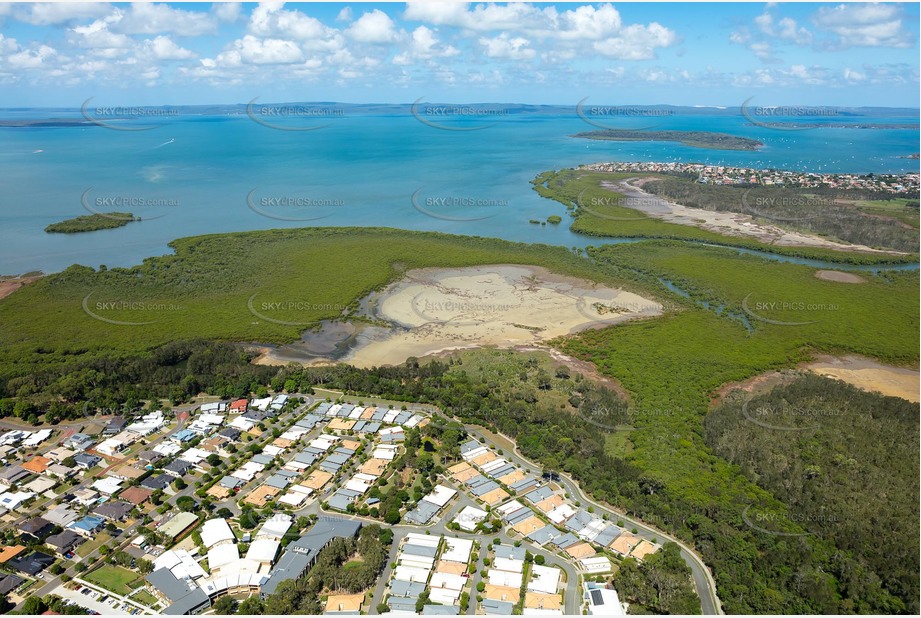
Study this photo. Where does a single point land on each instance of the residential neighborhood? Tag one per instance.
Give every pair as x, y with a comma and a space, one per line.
169, 511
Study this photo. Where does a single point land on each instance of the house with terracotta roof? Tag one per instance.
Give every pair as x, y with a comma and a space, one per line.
37, 464
9, 552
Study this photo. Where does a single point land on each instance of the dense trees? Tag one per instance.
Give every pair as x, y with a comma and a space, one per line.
845, 462
661, 584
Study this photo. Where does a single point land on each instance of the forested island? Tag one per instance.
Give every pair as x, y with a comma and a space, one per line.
697, 139
91, 223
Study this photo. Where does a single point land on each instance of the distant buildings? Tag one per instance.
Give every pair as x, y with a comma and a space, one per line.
729, 175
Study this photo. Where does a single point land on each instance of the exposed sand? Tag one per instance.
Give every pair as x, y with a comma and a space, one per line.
727, 223
870, 375
8, 286
838, 276
503, 306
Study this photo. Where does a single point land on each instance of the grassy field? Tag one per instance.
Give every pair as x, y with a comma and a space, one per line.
114, 578
897, 209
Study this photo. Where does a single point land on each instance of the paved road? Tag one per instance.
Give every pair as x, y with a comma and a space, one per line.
703, 578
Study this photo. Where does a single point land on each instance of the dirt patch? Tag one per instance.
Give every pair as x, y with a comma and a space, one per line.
869, 375
838, 276
8, 286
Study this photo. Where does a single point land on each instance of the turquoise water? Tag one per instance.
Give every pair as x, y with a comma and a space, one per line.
360, 170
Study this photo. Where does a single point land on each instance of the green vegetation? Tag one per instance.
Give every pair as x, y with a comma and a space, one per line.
887, 224
697, 139
35, 606
91, 223
115, 578
599, 211
329, 573
661, 584
902, 209
862, 497
205, 291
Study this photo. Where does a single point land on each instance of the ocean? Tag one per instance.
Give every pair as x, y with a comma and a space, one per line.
203, 174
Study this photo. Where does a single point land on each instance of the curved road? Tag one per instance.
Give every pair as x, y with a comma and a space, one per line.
703, 578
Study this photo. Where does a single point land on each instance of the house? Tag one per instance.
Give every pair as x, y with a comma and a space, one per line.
127, 472
61, 515
114, 511
64, 542
178, 468
178, 525
11, 475
12, 500
9, 583
36, 528
181, 437
37, 465
238, 406
160, 481
88, 526
80, 441
40, 484
60, 471
231, 433
108, 485
115, 425
150, 457
33, 564
86, 461
8, 553
136, 495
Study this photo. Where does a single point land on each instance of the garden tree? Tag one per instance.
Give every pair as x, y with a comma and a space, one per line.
143, 566
393, 516
179, 484
224, 513
123, 558
539, 559
214, 459
382, 608
251, 606
249, 519
186, 503
70, 462
224, 606
423, 600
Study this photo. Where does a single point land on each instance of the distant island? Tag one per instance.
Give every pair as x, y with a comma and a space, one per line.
40, 123
91, 223
697, 139
833, 125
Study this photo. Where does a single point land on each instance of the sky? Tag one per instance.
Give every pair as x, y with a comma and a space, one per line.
853, 54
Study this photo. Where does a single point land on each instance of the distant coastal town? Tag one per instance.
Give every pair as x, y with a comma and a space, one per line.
727, 175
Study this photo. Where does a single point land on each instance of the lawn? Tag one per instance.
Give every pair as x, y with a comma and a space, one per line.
85, 549
145, 598
117, 579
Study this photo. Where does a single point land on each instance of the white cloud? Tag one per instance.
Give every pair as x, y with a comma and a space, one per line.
505, 46
144, 18
164, 48
373, 27
54, 13
30, 59
637, 42
228, 12
345, 14
865, 25
98, 36
253, 50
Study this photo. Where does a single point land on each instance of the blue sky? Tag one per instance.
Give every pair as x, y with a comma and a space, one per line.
625, 53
